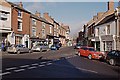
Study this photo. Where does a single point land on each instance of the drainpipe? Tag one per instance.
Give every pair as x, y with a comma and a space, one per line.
116, 18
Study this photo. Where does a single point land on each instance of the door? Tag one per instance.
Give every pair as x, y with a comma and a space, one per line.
83, 51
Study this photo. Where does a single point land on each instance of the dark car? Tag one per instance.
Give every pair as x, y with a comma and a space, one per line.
55, 47
113, 57
77, 46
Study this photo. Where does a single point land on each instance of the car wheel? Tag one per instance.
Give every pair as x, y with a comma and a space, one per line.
30, 51
112, 62
18, 52
40, 49
89, 56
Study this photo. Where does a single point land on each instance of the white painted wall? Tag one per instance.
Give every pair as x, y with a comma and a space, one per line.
11, 38
7, 23
103, 29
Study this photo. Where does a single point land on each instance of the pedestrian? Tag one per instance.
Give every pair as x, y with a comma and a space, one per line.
3, 46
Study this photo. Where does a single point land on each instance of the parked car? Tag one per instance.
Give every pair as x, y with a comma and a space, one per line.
113, 57
0, 47
89, 52
77, 46
18, 49
54, 47
40, 47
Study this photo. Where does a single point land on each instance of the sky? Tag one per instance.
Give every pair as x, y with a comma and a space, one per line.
74, 14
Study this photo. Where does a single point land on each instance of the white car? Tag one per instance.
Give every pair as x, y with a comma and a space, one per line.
18, 49
40, 47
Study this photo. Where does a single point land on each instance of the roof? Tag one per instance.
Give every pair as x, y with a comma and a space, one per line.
105, 15
55, 21
40, 19
17, 6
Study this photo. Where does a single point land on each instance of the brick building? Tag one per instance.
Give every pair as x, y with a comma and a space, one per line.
20, 24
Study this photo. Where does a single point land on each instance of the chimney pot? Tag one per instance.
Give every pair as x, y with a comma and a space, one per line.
37, 14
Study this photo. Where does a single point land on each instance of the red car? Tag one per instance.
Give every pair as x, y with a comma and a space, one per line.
90, 53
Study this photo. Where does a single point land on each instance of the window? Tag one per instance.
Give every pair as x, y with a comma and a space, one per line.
3, 16
33, 32
108, 29
91, 49
98, 31
34, 22
43, 25
4, 19
50, 29
19, 13
43, 33
19, 26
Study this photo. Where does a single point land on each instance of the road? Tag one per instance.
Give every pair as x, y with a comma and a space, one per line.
63, 63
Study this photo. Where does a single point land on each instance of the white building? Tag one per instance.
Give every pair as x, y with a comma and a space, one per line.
5, 22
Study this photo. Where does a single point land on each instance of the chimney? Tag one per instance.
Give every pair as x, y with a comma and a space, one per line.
21, 5
37, 14
99, 14
111, 5
119, 3
94, 17
46, 15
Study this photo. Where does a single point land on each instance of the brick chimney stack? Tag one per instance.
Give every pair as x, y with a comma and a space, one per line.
46, 15
37, 14
21, 5
111, 5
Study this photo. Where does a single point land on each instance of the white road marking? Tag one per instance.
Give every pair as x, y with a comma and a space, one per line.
19, 70
49, 63
87, 70
41, 65
24, 66
43, 62
4, 73
32, 67
11, 68
35, 64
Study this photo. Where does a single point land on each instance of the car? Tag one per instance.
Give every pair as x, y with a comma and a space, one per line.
54, 47
113, 57
77, 46
40, 47
89, 52
18, 49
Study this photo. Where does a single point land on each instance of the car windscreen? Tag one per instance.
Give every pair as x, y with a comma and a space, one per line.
91, 49
20, 46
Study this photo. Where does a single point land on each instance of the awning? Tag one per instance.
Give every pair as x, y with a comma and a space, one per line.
37, 39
